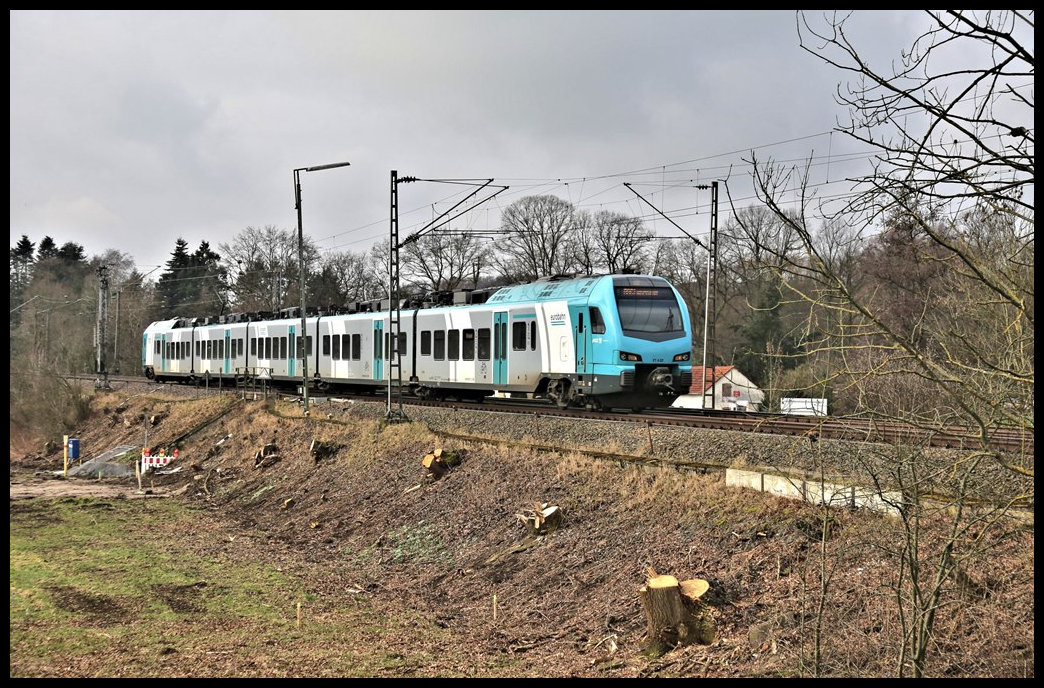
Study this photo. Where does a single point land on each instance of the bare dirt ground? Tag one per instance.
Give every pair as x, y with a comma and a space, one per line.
367, 519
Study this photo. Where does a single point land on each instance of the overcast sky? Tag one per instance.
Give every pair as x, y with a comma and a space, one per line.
131, 129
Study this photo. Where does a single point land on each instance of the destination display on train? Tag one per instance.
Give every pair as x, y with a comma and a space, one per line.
643, 293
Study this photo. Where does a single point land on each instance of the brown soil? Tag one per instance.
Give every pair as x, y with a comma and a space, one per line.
564, 604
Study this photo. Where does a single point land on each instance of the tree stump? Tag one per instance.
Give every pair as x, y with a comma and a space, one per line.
543, 519
441, 460
674, 614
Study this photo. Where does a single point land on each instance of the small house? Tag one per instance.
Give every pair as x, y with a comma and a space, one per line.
727, 387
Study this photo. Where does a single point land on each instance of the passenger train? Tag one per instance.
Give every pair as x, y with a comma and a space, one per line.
609, 341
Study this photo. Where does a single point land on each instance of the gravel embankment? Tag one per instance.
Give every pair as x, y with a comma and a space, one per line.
846, 461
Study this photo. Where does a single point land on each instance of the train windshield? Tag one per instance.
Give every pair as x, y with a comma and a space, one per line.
649, 312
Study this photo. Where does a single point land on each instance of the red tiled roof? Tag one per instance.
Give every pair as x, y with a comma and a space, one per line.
698, 376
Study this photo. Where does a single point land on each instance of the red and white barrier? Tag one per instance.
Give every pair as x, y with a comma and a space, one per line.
149, 460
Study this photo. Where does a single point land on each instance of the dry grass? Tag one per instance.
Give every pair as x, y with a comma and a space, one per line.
368, 530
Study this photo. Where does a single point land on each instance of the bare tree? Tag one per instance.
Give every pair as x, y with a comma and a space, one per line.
442, 261
264, 264
948, 201
537, 231
622, 242
346, 277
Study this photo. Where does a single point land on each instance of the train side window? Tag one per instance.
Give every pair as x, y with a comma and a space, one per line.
377, 344
439, 350
532, 335
283, 351
336, 348
425, 342
308, 343
356, 346
387, 345
402, 344
157, 351
453, 345
518, 336
468, 348
268, 348
579, 322
597, 324
326, 345
483, 344
253, 347
346, 346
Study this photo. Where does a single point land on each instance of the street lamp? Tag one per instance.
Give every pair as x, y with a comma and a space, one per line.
300, 269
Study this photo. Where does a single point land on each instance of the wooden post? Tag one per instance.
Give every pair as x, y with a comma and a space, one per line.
65, 456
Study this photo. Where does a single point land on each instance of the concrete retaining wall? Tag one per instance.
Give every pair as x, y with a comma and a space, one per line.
813, 490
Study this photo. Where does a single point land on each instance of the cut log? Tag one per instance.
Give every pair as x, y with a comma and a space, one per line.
436, 467
693, 589
673, 613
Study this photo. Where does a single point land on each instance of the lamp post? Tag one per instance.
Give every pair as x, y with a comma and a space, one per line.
300, 269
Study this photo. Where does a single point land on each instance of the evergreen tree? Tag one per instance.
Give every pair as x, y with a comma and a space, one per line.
171, 288
21, 272
71, 252
46, 249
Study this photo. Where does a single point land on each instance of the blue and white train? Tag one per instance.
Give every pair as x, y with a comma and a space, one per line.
611, 341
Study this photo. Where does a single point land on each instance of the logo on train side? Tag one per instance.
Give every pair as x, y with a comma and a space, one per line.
557, 319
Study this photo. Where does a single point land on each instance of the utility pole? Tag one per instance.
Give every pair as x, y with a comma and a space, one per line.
102, 382
394, 302
708, 300
394, 307
116, 336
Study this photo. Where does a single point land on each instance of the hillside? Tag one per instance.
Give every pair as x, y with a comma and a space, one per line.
364, 523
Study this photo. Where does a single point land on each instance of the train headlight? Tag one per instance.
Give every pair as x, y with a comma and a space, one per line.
683, 357
624, 356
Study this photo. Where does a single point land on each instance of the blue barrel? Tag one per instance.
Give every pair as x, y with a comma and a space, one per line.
74, 447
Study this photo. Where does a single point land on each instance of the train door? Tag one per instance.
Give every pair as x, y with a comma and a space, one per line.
297, 346
378, 350
228, 351
581, 341
500, 327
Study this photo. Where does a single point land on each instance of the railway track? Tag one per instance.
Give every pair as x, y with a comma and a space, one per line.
814, 428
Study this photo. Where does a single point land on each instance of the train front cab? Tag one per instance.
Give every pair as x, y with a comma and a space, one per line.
633, 342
